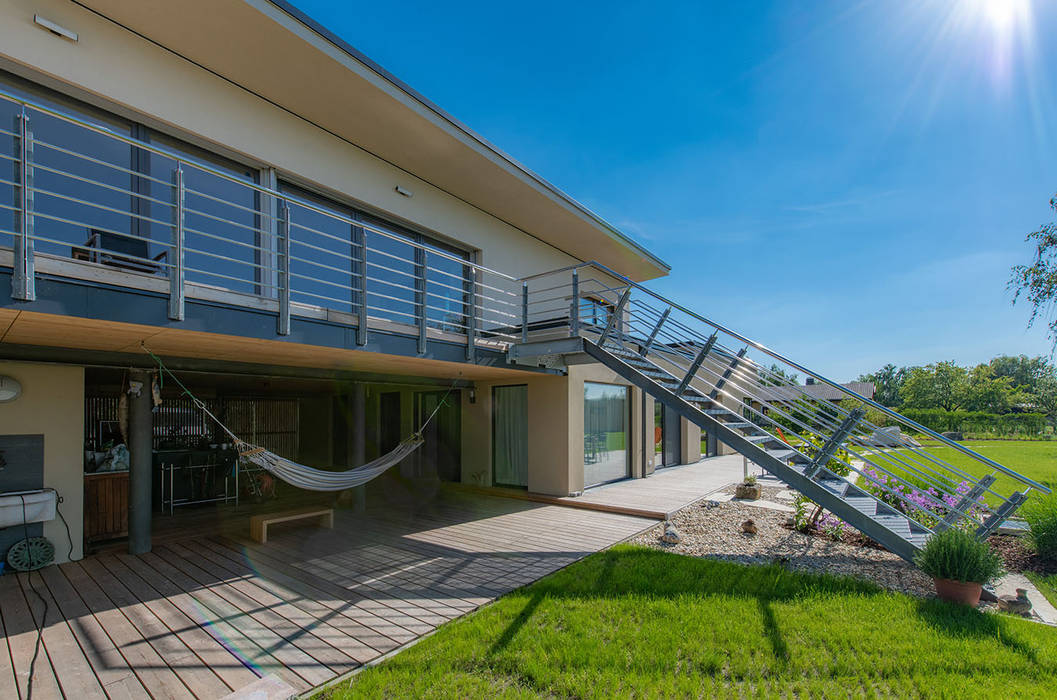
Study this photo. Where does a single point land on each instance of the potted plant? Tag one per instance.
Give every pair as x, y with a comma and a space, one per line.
748, 489
959, 564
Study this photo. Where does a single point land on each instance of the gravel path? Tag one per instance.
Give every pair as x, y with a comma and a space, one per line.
715, 532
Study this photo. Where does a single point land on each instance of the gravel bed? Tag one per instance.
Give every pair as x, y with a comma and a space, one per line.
715, 532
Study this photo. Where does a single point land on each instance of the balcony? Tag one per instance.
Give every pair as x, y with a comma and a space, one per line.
93, 200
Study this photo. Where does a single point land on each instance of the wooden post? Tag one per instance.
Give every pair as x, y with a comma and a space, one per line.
141, 467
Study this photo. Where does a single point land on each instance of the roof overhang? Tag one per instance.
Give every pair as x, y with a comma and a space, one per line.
273, 50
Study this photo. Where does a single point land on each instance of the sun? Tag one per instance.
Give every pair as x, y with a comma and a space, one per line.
1004, 18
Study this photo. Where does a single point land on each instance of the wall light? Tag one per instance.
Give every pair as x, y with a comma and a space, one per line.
405, 192
55, 29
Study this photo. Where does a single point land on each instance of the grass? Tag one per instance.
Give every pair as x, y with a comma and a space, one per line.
636, 622
1033, 458
1047, 585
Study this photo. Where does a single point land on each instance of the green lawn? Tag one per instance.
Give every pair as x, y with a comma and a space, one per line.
1047, 585
1035, 459
636, 622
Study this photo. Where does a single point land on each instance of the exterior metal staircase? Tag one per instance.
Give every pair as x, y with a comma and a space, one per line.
832, 445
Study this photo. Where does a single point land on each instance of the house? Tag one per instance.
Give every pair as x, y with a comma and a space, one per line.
235, 187
327, 260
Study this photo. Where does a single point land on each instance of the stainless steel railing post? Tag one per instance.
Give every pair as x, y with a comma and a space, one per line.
24, 285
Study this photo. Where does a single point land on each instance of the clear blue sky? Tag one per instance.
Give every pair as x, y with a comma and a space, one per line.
847, 182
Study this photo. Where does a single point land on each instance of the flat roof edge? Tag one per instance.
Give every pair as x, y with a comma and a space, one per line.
512, 163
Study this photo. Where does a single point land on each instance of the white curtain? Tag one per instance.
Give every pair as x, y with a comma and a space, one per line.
510, 435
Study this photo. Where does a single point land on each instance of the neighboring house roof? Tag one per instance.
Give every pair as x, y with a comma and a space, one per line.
275, 51
821, 392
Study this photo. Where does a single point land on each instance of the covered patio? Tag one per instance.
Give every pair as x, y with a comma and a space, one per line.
210, 612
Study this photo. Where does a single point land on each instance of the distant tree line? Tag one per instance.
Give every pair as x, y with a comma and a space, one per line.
1009, 394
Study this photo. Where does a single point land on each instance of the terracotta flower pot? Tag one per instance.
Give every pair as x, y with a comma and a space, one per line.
958, 592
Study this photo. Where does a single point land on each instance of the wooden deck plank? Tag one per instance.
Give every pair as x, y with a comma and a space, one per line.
238, 644
211, 651
337, 645
199, 679
355, 642
320, 592
33, 672
113, 671
307, 669
8, 686
74, 673
145, 661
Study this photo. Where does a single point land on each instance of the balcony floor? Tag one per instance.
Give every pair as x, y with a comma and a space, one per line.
211, 613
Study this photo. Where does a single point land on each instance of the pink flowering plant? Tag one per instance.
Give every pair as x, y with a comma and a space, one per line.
925, 504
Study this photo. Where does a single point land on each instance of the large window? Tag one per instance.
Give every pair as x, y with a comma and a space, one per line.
606, 448
510, 435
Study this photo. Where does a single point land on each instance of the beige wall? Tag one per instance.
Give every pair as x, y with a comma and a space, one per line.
113, 67
52, 404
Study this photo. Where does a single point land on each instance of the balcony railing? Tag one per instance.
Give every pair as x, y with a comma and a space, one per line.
86, 200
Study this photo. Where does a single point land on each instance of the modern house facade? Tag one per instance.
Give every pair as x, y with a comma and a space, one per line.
216, 182
327, 260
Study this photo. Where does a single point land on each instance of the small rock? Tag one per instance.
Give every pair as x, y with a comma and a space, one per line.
671, 535
789, 522
710, 504
1018, 604
749, 527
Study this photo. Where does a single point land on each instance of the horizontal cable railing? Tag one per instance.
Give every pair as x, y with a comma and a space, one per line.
86, 192
740, 376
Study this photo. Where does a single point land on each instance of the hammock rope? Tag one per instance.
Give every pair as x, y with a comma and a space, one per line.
300, 475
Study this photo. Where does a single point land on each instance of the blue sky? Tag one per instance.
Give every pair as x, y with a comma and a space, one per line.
846, 182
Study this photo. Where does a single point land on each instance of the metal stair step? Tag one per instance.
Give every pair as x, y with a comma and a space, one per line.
762, 438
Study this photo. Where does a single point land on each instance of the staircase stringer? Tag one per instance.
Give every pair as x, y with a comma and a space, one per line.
795, 479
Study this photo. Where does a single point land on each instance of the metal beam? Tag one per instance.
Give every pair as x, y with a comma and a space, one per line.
653, 334
834, 442
999, 516
729, 371
471, 317
615, 315
966, 500
176, 253
696, 364
421, 265
574, 306
361, 307
524, 311
284, 268
24, 287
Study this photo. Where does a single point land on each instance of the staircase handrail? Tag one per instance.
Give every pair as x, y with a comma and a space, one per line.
795, 365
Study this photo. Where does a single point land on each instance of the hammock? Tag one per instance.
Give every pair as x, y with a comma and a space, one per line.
299, 475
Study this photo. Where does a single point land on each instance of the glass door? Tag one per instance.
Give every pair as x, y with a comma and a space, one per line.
606, 418
510, 436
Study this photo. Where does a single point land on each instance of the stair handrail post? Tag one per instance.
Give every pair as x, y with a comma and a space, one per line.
524, 311
616, 313
574, 308
1015, 500
653, 334
283, 260
24, 287
726, 374
176, 258
691, 372
833, 444
970, 497
421, 266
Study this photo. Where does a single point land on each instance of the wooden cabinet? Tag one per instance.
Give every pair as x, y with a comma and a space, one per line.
105, 506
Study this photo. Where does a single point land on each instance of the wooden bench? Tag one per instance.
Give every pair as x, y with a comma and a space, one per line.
259, 523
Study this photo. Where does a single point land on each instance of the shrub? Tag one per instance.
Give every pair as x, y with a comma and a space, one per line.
957, 555
1041, 516
750, 480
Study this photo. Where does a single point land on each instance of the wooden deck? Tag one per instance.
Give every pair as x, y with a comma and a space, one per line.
203, 616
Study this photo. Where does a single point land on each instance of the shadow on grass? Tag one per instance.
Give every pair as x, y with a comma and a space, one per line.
633, 571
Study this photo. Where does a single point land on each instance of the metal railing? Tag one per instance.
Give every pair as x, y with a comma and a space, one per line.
747, 378
83, 191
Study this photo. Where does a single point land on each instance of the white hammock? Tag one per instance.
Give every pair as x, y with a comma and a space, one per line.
299, 475
319, 479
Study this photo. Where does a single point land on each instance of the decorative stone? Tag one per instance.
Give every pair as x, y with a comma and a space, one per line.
1018, 604
671, 535
789, 522
953, 435
748, 492
710, 504
749, 527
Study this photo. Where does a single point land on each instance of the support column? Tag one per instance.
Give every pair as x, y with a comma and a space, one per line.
358, 440
141, 468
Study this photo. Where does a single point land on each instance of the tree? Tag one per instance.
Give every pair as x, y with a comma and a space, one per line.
940, 385
886, 382
779, 376
983, 391
1037, 282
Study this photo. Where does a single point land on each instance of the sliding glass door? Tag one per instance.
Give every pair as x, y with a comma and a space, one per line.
606, 418
510, 435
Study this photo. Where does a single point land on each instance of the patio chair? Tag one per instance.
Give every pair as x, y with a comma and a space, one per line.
125, 252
